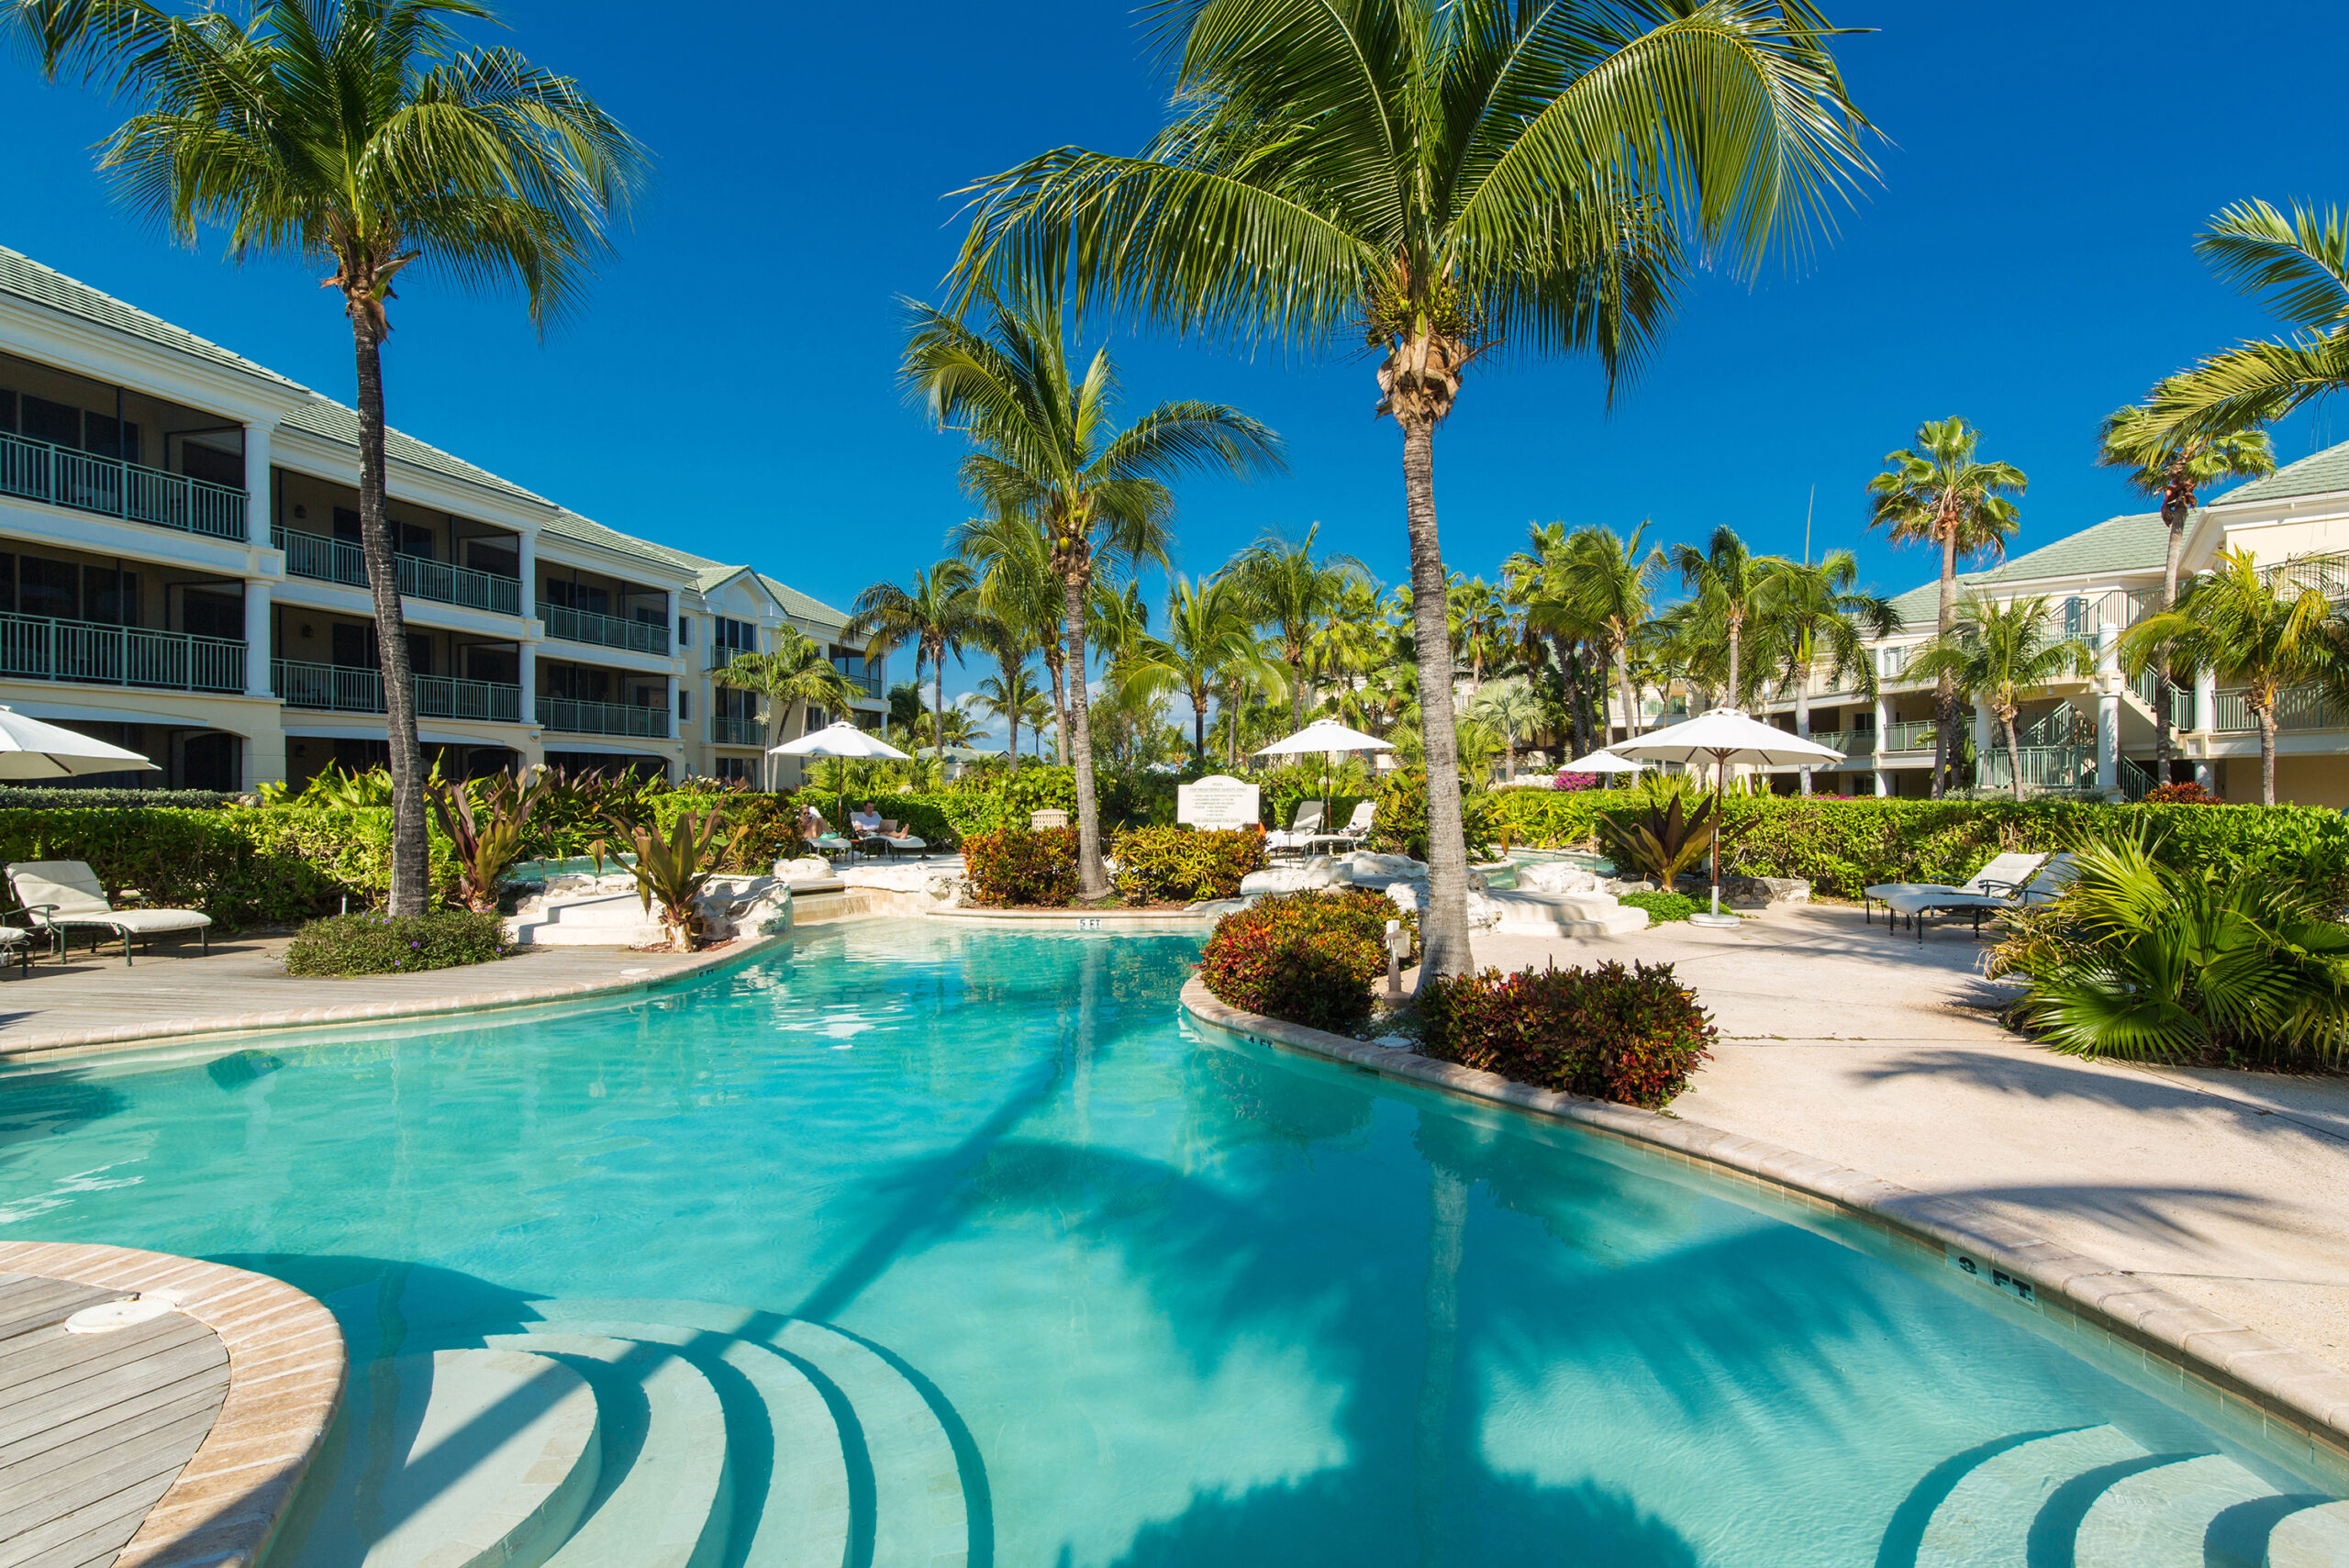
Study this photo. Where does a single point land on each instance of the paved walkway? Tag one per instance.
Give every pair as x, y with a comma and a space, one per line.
1845, 1042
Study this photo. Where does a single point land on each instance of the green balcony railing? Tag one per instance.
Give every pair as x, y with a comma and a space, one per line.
575, 718
2328, 574
1851, 742
868, 681
2043, 767
341, 560
2181, 700
346, 689
2303, 707
36, 647
63, 476
606, 631
725, 730
1915, 736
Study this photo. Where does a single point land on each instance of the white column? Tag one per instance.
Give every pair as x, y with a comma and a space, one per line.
1981, 733
257, 481
528, 676
2205, 773
2206, 701
256, 639
525, 553
1883, 726
2108, 707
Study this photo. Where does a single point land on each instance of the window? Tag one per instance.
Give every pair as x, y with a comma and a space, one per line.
734, 703
684, 705
728, 638
734, 770
685, 631
213, 612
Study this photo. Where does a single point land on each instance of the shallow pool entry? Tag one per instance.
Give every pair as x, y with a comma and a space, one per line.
921, 1241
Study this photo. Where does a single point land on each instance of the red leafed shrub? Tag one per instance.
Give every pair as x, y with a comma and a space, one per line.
1017, 866
1183, 865
1629, 1035
2186, 794
1311, 958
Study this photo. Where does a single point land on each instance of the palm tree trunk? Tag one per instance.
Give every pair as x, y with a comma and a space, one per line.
1092, 878
1802, 713
411, 889
1444, 931
2170, 561
1736, 639
937, 706
1944, 690
1054, 660
2014, 752
2267, 757
1631, 692
1297, 694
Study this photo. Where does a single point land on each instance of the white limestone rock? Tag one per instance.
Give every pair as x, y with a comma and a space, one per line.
1483, 911
807, 867
1557, 876
1293, 876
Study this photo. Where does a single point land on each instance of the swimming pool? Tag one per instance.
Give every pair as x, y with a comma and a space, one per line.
1172, 1297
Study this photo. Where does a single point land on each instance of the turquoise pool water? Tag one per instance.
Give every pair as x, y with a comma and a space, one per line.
1193, 1302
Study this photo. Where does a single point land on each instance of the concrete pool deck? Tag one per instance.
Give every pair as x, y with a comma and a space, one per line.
1856, 1046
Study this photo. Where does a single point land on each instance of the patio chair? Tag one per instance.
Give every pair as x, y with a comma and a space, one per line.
1350, 835
14, 940
1302, 829
58, 896
2002, 871
2042, 886
891, 839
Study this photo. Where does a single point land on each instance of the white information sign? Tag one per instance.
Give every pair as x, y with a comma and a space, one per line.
1217, 801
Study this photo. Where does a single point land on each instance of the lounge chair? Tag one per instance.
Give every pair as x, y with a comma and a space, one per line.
1302, 829
58, 896
21, 942
892, 838
1350, 835
2002, 872
2055, 874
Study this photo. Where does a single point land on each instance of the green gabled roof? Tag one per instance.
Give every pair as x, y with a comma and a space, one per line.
2128, 543
330, 421
2312, 475
1920, 606
806, 607
28, 279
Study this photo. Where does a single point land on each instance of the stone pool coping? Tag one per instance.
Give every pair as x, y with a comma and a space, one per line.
1103, 918
39, 1047
2298, 1404
286, 1364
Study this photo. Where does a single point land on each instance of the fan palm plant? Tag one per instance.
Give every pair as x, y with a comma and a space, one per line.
1512, 709
1939, 494
1284, 586
1815, 618
361, 135
1450, 179
938, 615
794, 676
1043, 444
2176, 466
2234, 623
1998, 651
2299, 265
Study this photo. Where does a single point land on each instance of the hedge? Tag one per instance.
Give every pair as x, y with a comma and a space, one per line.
377, 942
30, 797
1629, 1035
1161, 865
1311, 958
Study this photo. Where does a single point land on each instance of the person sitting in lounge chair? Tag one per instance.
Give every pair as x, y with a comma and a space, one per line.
812, 826
865, 819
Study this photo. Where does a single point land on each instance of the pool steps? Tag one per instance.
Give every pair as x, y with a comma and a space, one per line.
2096, 1497
712, 1437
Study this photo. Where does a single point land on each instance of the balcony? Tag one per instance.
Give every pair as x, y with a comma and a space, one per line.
2181, 700
729, 731
1851, 742
1915, 736
111, 487
868, 683
2301, 709
2328, 574
606, 631
346, 689
36, 648
573, 717
340, 561
2043, 767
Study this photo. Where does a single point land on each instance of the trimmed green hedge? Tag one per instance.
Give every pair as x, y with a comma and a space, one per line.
1183, 865
30, 797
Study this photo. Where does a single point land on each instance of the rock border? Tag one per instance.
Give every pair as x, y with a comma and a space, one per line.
2297, 1404
286, 1365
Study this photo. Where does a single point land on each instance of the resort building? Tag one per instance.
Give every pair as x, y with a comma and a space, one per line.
180, 573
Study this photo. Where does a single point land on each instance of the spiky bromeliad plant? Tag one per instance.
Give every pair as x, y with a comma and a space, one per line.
1672, 839
489, 838
2146, 959
672, 872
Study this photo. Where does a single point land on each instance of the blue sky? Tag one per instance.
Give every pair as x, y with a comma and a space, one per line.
2024, 261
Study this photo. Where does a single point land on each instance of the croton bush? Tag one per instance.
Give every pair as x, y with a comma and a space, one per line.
1016, 867
1309, 958
1183, 865
1633, 1035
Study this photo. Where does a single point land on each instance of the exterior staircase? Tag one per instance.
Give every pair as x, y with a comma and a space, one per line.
641, 1434
2095, 1498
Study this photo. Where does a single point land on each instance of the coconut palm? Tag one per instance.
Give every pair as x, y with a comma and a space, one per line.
1209, 642
1814, 618
2235, 623
1939, 495
1996, 652
1043, 445
2300, 266
938, 615
2176, 466
1285, 586
1477, 620
1453, 179
793, 677
1604, 582
1512, 709
1018, 587
364, 135
1731, 585
1011, 696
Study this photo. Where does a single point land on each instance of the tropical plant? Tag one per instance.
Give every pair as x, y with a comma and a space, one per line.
1998, 651
1597, 582
1019, 591
1014, 699
2300, 266
1511, 708
1477, 619
363, 135
1730, 582
794, 676
2234, 623
1449, 180
2175, 466
488, 838
2144, 958
1043, 445
1670, 839
1209, 644
671, 871
1939, 495
939, 614
1814, 618
1282, 585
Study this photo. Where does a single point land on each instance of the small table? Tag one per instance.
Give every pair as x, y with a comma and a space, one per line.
1342, 841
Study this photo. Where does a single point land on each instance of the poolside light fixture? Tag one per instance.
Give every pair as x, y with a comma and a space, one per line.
1721, 736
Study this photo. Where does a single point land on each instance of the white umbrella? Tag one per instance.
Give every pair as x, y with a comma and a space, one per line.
1602, 761
1721, 736
838, 738
1324, 736
31, 750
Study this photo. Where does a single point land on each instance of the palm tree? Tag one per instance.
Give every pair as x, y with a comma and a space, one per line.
2300, 266
1813, 618
2175, 466
1511, 707
1019, 588
1939, 494
1208, 642
1009, 645
793, 677
1477, 619
2232, 622
1042, 444
363, 135
1452, 179
1600, 580
1730, 582
1996, 651
1286, 588
938, 615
